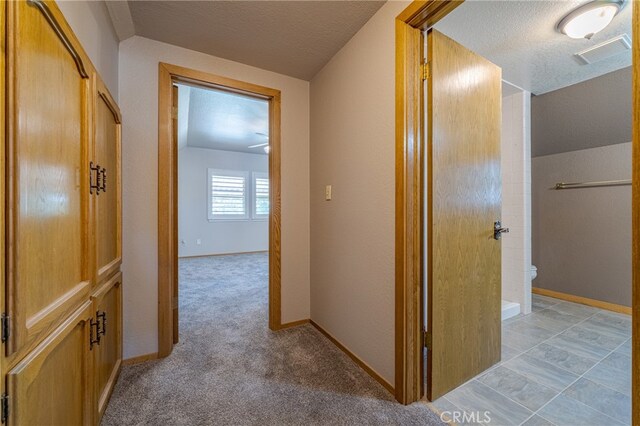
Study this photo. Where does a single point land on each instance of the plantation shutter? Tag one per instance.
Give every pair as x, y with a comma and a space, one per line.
261, 195
228, 195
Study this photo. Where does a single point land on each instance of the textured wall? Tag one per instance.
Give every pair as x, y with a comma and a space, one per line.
91, 23
222, 236
594, 113
352, 236
138, 66
582, 237
516, 199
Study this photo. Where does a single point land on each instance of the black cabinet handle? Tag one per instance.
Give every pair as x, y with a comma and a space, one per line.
102, 323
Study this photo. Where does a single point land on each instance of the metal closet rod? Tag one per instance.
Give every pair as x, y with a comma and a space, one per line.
563, 185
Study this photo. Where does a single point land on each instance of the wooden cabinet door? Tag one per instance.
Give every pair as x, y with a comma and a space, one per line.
107, 199
47, 240
107, 302
52, 385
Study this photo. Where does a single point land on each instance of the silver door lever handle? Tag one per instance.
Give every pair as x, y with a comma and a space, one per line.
498, 230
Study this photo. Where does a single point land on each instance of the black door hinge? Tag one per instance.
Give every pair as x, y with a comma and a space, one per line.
5, 408
6, 327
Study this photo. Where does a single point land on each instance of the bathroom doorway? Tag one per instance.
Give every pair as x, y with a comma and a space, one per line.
561, 352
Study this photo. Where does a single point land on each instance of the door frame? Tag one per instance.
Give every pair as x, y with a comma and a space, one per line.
168, 192
409, 362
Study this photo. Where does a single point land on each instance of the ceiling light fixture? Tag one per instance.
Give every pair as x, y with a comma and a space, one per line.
590, 18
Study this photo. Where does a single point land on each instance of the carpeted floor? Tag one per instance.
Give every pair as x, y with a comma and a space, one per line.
229, 369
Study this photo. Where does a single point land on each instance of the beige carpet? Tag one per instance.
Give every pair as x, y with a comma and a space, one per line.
229, 369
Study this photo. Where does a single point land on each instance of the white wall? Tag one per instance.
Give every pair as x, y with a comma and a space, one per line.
184, 97
216, 237
352, 236
582, 237
91, 23
138, 67
516, 199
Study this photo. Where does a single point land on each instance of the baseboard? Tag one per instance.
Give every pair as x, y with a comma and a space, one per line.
140, 358
292, 324
223, 254
355, 358
583, 300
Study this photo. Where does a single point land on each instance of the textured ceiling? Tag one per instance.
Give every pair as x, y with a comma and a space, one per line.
226, 121
520, 37
295, 38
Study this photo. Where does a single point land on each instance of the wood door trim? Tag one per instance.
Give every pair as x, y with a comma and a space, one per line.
409, 214
167, 197
636, 217
409, 369
418, 16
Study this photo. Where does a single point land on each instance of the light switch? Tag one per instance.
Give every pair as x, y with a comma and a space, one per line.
198, 241
327, 193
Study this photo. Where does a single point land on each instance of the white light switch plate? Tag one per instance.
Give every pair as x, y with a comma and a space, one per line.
327, 193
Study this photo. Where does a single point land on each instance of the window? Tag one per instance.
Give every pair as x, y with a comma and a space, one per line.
227, 194
260, 195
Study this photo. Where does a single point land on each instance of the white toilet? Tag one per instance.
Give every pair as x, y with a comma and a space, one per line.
534, 272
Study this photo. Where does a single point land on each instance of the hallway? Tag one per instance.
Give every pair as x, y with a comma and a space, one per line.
230, 369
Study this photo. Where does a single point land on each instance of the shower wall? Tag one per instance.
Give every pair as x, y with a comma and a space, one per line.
516, 196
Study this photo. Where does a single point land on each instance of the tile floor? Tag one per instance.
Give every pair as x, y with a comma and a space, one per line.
563, 364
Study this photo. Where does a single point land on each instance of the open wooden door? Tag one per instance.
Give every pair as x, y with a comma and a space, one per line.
464, 200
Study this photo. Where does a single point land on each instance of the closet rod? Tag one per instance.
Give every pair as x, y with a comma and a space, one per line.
563, 185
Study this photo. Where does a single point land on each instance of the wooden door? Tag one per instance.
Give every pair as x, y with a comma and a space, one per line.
107, 306
52, 385
107, 194
48, 87
464, 192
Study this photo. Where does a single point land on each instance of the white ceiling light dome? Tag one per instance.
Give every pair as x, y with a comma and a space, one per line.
590, 18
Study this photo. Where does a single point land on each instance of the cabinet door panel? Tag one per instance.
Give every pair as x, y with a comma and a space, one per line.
107, 156
51, 386
108, 354
48, 171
